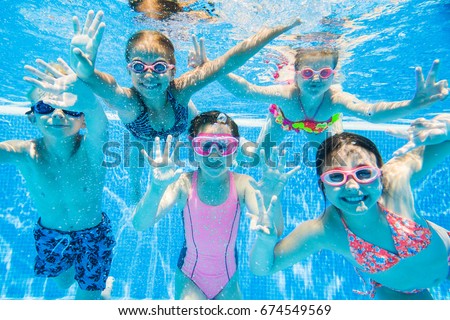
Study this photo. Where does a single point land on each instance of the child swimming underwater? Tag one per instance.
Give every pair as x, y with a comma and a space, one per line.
73, 237
372, 221
212, 199
156, 104
312, 104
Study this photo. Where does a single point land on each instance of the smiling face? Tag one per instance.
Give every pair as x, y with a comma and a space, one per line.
57, 123
149, 47
315, 85
149, 82
352, 197
215, 164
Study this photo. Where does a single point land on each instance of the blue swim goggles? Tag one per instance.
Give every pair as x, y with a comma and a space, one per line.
42, 108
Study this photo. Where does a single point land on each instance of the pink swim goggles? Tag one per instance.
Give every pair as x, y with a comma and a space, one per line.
308, 73
339, 177
159, 67
225, 144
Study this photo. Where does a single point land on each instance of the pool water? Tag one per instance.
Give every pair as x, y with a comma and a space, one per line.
381, 43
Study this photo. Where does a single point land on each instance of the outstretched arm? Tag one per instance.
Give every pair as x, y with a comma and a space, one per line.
13, 151
194, 80
427, 92
83, 49
237, 85
269, 256
163, 191
428, 145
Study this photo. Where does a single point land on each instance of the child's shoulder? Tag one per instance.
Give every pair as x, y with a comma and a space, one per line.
241, 178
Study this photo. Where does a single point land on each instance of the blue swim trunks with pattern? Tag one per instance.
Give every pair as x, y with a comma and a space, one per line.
89, 250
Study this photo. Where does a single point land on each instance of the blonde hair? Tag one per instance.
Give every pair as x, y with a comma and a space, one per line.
151, 40
303, 53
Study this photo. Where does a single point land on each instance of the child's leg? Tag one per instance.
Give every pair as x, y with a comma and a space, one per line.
87, 295
185, 289
231, 290
65, 279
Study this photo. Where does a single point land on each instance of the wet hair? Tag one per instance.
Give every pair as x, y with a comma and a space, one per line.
333, 144
157, 9
151, 40
211, 117
302, 53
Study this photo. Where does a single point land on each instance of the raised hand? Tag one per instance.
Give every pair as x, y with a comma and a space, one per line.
62, 87
264, 222
429, 91
274, 177
163, 171
422, 132
85, 43
197, 57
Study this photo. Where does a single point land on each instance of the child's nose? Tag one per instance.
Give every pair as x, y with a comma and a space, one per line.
351, 184
58, 113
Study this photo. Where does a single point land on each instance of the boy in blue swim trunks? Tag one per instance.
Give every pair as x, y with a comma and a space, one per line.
74, 240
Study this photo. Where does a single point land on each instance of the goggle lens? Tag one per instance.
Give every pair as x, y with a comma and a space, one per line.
324, 73
159, 67
42, 108
363, 175
224, 144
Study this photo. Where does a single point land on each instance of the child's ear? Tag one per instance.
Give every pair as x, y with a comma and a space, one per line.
83, 126
31, 117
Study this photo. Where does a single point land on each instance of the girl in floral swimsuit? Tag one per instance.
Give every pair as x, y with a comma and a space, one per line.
372, 221
311, 103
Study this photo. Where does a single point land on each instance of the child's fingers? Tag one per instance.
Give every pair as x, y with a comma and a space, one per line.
43, 76
76, 25
399, 133
195, 44
49, 68
282, 161
88, 22
65, 65
293, 171
81, 57
260, 202
157, 147
431, 77
420, 81
34, 82
167, 146
203, 50
407, 147
98, 36
95, 24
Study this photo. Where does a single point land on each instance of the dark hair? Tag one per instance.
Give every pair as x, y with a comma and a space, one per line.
153, 41
210, 117
301, 53
331, 145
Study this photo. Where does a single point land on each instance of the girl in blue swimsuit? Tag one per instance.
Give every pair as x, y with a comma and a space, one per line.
158, 104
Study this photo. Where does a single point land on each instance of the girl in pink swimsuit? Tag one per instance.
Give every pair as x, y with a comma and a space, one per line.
211, 198
371, 221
